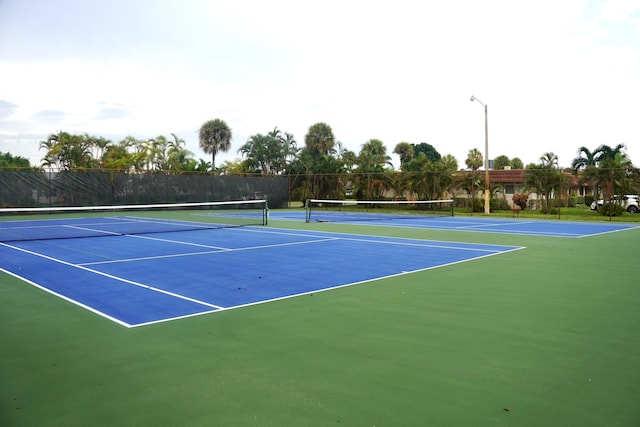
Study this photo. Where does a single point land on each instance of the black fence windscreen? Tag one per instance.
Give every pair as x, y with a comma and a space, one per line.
50, 189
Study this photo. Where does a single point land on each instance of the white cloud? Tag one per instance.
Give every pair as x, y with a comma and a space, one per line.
618, 11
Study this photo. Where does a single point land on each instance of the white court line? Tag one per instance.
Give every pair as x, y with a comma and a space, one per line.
608, 232
459, 248
495, 224
147, 258
93, 230
33, 227
177, 222
315, 233
248, 248
471, 230
180, 242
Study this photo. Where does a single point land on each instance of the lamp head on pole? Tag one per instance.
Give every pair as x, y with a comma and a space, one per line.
473, 98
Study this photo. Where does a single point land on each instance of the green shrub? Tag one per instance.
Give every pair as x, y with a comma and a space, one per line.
611, 209
478, 205
499, 205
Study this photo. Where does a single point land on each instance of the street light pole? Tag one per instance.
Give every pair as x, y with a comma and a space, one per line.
487, 193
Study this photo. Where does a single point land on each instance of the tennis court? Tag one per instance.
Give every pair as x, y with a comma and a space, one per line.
167, 273
467, 224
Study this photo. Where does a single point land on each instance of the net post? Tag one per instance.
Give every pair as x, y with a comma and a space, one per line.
265, 215
453, 205
307, 216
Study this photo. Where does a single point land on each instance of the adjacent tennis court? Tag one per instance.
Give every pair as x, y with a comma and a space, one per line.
468, 224
137, 270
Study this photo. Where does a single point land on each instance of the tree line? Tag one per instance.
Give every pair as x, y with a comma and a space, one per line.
607, 170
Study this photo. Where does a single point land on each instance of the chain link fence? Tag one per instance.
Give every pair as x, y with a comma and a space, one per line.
39, 188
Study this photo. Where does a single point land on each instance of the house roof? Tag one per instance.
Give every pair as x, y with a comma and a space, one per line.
503, 176
516, 176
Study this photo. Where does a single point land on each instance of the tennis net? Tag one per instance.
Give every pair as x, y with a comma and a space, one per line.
22, 224
319, 210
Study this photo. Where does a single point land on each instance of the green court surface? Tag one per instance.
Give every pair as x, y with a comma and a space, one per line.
544, 336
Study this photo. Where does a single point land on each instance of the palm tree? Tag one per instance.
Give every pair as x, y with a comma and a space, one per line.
202, 166
158, 152
470, 183
284, 149
215, 136
405, 151
319, 140
596, 172
256, 150
544, 178
373, 156
604, 153
178, 157
117, 157
516, 163
474, 159
349, 159
585, 159
269, 154
449, 162
615, 169
67, 151
549, 160
499, 162
97, 145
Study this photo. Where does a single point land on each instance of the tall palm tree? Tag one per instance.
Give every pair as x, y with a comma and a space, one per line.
449, 162
549, 160
319, 139
604, 157
605, 153
614, 167
215, 136
289, 146
67, 151
405, 151
178, 157
158, 152
544, 178
585, 159
373, 156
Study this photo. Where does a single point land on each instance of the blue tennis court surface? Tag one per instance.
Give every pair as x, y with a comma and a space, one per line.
142, 279
549, 228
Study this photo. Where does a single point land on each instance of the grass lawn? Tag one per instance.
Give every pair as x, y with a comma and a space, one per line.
545, 336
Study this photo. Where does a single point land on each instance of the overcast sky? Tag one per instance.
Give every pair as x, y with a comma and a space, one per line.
555, 74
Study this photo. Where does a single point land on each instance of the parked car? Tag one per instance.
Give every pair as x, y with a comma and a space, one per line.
630, 202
